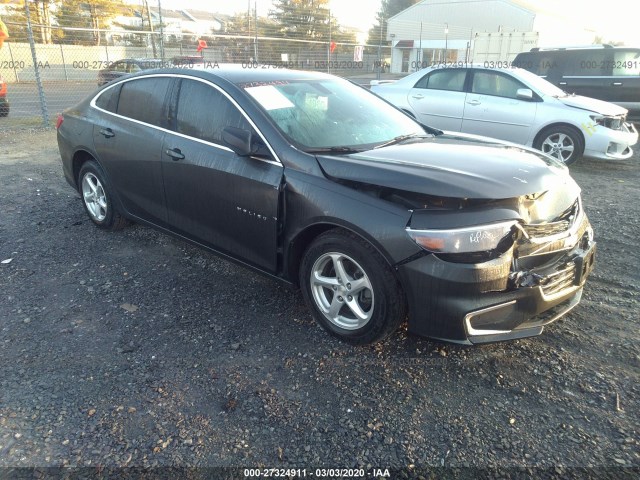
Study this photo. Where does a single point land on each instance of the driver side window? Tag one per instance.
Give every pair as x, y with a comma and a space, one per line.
203, 112
496, 84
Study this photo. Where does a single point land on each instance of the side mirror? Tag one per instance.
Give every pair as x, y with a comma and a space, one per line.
239, 140
524, 94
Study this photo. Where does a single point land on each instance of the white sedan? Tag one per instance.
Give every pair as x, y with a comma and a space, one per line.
515, 105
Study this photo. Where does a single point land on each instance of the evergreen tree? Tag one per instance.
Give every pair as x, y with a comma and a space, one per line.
388, 9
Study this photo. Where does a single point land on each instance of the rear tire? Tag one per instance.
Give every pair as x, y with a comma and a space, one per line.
97, 197
350, 289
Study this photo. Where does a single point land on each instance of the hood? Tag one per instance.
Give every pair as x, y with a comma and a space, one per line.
592, 105
452, 165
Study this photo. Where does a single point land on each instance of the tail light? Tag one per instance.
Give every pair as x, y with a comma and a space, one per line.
59, 121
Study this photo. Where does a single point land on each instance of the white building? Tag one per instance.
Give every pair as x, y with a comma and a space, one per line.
435, 31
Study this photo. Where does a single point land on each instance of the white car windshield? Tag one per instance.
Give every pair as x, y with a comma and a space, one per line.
331, 113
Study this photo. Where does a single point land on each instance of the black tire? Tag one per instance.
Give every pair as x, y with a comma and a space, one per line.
4, 109
97, 197
563, 136
384, 302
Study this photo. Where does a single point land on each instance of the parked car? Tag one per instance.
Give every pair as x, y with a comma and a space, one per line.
515, 105
315, 181
188, 61
126, 66
597, 71
4, 103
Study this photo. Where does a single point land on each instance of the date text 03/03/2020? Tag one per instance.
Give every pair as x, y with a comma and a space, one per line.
317, 472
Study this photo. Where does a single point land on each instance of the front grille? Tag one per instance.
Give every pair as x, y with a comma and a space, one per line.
559, 280
546, 229
541, 255
560, 224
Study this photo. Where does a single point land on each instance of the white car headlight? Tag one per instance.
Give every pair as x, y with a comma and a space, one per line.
480, 238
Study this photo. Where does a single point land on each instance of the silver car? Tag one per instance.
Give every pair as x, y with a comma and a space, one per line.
515, 105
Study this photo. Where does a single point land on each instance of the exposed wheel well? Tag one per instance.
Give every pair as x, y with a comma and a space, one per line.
79, 158
565, 125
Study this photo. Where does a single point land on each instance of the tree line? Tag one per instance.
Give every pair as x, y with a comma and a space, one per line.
84, 22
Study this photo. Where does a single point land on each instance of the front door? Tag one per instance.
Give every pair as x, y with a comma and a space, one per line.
493, 109
214, 196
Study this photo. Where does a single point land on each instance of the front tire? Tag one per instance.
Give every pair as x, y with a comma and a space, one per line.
561, 142
350, 289
97, 197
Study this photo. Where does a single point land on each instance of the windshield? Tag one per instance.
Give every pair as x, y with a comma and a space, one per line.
330, 113
540, 84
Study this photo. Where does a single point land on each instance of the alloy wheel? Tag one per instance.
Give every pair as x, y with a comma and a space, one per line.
342, 290
94, 197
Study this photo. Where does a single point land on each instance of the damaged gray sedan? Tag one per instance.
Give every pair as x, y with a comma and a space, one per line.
316, 182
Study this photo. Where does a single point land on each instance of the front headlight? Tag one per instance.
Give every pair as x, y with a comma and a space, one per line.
614, 123
481, 238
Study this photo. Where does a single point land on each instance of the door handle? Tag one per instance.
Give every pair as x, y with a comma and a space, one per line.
617, 84
562, 83
474, 102
107, 132
418, 96
174, 153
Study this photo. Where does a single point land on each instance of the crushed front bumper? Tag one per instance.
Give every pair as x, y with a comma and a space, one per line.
489, 302
608, 144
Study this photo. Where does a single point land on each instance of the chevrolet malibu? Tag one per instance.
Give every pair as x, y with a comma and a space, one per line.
317, 182
515, 105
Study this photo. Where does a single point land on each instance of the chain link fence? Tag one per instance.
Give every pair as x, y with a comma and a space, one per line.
44, 79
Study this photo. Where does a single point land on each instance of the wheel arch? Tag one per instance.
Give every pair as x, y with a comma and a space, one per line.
301, 241
538, 135
80, 157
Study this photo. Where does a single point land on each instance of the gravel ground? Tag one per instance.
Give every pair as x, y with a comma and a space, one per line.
132, 349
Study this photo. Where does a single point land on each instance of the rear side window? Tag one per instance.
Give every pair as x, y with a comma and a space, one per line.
626, 63
143, 99
108, 100
452, 79
203, 112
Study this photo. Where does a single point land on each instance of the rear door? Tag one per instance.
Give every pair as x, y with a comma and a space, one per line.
438, 98
492, 108
214, 196
585, 72
624, 84
128, 138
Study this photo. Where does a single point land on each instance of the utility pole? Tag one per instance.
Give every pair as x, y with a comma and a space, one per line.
380, 51
418, 65
255, 26
161, 31
153, 40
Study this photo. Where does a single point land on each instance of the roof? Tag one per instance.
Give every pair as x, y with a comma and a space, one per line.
464, 4
240, 75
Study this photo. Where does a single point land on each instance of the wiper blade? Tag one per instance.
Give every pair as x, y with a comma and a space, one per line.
400, 138
433, 131
337, 149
